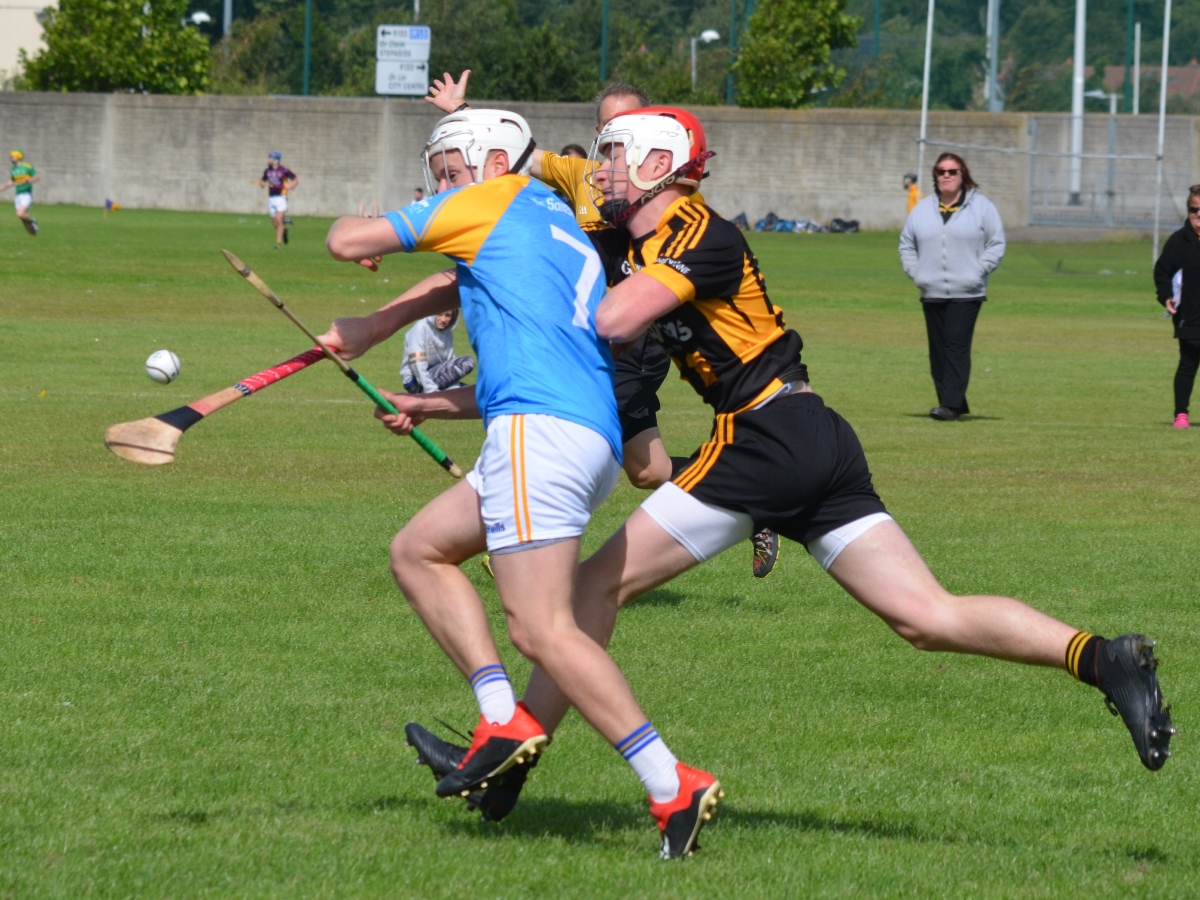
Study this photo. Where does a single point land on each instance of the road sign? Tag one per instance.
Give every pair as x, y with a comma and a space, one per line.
402, 78
402, 60
402, 43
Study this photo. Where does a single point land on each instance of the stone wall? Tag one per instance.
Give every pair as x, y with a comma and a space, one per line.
201, 153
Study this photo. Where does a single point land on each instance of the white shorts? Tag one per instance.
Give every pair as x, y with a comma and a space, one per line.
539, 478
276, 205
23, 201
706, 530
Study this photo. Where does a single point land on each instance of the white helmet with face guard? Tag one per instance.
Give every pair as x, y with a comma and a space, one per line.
629, 138
476, 133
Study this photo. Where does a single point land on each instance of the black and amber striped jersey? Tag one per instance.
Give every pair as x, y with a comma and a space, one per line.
727, 338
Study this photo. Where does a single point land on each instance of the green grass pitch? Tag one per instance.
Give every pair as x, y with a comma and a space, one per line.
205, 668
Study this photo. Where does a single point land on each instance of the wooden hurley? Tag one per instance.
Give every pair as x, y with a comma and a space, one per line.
152, 441
437, 453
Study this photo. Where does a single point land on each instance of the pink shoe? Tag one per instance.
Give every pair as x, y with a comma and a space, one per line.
1181, 421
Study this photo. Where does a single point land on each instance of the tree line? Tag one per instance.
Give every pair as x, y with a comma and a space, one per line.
787, 53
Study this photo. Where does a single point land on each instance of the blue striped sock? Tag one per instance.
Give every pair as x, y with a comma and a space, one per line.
493, 690
652, 761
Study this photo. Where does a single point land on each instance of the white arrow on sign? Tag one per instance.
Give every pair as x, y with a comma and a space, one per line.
401, 78
402, 43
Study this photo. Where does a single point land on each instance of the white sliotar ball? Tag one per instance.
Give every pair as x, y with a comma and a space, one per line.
163, 366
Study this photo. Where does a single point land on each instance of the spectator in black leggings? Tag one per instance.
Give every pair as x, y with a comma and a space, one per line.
953, 240
1181, 254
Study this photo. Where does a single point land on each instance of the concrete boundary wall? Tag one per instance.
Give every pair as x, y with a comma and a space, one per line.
201, 153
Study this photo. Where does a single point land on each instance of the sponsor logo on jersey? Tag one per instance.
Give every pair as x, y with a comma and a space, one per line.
675, 264
553, 204
495, 528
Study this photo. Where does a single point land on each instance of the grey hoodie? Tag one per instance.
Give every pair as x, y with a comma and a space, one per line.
952, 260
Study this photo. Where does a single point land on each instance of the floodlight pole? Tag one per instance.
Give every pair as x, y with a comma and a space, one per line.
925, 99
1137, 66
1077, 78
227, 19
1129, 58
1162, 125
994, 103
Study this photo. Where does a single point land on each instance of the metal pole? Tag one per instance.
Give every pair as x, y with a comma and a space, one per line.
307, 45
994, 103
694, 64
227, 22
733, 7
1111, 193
604, 41
1129, 58
878, 41
925, 100
1162, 124
1077, 103
1137, 66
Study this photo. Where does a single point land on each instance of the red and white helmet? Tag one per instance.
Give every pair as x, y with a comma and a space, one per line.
477, 132
667, 128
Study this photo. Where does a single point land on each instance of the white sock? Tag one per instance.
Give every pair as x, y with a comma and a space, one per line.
652, 761
493, 690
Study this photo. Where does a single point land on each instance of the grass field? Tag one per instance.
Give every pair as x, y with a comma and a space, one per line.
205, 668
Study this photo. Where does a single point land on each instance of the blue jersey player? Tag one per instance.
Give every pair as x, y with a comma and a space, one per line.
529, 282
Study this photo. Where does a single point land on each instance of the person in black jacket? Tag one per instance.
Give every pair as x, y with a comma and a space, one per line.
1181, 254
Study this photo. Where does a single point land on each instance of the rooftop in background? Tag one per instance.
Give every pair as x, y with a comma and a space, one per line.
1182, 81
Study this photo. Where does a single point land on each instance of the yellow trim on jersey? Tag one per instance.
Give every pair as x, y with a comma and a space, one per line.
566, 174
460, 226
722, 437
675, 282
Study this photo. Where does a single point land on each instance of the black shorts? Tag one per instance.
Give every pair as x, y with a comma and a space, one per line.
638, 376
795, 466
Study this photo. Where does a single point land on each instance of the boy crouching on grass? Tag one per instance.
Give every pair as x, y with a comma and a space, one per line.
429, 361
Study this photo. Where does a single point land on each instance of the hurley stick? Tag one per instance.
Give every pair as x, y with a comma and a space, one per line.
152, 441
365, 386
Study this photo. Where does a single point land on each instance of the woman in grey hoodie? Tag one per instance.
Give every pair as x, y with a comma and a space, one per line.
952, 241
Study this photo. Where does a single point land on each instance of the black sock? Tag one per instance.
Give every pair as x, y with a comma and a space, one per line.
1081, 657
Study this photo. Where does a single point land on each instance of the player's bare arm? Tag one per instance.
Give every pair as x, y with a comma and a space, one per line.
353, 336
352, 239
628, 309
455, 403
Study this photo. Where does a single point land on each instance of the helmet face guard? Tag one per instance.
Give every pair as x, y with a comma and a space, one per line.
628, 140
476, 134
